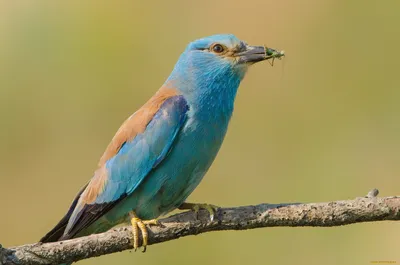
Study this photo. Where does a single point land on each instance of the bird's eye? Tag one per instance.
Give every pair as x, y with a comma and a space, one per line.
218, 48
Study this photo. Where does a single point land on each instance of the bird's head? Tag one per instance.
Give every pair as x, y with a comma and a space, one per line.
217, 63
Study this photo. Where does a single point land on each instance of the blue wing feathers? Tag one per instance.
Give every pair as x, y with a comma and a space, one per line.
182, 107
146, 150
135, 159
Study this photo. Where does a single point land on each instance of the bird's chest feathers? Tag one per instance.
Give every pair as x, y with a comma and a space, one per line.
206, 126
210, 95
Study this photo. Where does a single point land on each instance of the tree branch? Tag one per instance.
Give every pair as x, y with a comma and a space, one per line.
365, 209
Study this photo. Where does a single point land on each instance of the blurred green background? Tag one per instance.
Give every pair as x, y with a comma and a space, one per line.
323, 124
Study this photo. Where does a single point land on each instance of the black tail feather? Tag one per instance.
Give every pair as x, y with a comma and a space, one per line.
57, 232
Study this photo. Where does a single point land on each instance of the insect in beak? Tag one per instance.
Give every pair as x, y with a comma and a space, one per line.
273, 54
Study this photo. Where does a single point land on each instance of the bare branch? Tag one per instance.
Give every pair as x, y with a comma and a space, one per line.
365, 209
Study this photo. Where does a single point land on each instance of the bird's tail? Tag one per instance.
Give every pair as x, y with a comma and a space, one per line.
57, 232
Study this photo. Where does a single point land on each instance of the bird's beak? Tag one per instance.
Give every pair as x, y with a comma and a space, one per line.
254, 54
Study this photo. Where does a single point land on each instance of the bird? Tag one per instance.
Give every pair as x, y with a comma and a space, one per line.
162, 151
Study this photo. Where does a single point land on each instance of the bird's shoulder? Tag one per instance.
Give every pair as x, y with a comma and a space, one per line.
137, 122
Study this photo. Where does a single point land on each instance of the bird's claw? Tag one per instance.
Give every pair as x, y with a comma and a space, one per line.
137, 224
211, 209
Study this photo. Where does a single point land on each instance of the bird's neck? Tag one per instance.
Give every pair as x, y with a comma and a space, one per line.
210, 93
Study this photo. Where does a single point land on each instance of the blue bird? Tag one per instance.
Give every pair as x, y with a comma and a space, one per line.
162, 151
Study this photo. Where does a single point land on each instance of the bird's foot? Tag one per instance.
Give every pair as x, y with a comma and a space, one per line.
212, 209
137, 224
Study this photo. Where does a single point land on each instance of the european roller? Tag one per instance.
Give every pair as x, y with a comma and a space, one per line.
163, 150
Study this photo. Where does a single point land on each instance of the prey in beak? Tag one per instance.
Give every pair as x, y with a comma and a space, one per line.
254, 54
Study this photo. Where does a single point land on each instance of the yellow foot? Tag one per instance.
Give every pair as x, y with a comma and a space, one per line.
140, 224
212, 209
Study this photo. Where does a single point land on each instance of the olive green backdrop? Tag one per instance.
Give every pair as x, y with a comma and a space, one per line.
323, 124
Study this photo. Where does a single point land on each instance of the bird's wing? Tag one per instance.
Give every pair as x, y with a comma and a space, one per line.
140, 145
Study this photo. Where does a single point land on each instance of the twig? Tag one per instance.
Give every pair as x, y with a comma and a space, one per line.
365, 209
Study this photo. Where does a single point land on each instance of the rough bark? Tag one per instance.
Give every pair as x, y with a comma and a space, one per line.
337, 213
